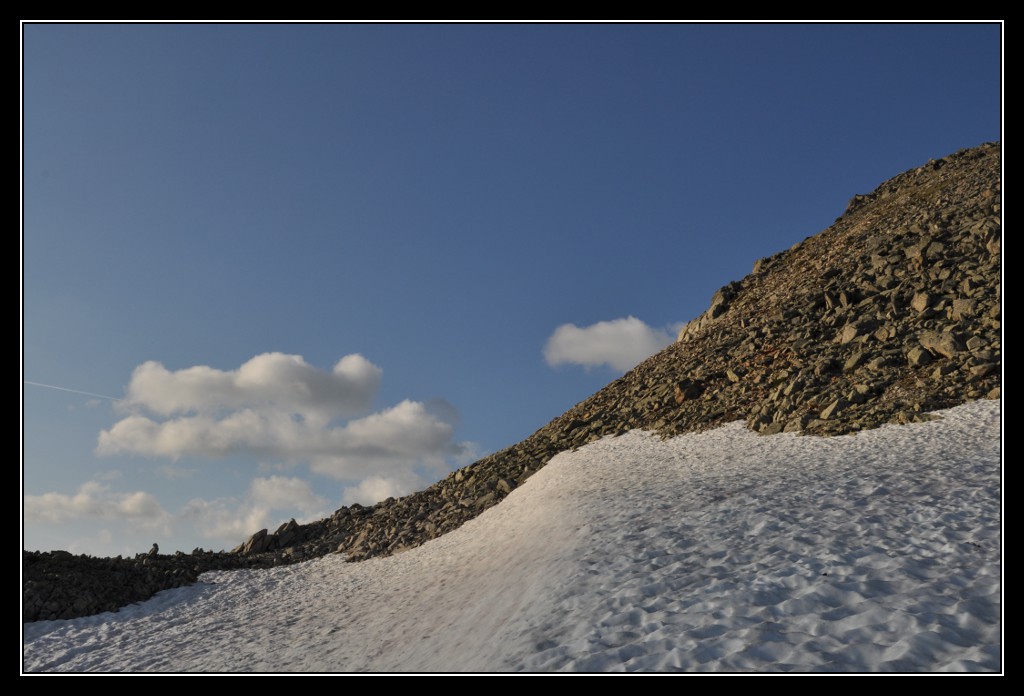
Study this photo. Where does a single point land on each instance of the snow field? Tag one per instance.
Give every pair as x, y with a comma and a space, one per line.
719, 551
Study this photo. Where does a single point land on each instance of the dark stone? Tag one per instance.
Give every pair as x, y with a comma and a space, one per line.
256, 542
687, 390
941, 343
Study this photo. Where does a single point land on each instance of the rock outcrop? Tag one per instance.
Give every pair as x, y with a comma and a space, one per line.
890, 313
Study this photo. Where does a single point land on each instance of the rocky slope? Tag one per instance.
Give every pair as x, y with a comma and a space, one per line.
891, 312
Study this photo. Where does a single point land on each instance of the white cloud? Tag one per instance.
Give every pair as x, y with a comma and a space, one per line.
620, 344
377, 488
272, 380
282, 492
281, 411
268, 502
397, 439
403, 436
468, 452
96, 500
275, 407
228, 521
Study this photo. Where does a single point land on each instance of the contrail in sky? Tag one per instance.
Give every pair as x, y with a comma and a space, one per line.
73, 391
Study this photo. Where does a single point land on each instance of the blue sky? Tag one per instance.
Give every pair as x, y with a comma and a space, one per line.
497, 219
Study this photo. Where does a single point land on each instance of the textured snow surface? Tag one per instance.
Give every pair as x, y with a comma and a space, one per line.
720, 551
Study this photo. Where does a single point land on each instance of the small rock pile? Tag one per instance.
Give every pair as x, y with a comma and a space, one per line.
890, 313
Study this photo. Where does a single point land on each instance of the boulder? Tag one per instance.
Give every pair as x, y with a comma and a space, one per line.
255, 543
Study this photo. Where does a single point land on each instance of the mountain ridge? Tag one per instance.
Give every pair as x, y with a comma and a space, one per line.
890, 312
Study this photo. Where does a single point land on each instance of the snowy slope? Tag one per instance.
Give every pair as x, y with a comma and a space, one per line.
721, 551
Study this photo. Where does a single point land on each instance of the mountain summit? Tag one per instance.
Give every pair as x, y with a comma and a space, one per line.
891, 312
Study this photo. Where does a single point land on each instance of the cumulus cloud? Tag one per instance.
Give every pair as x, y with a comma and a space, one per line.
620, 343
399, 438
276, 406
377, 488
96, 500
232, 520
282, 411
282, 492
269, 381
228, 521
402, 436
